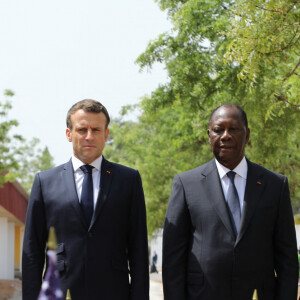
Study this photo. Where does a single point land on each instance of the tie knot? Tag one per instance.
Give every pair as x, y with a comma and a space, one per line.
231, 175
87, 169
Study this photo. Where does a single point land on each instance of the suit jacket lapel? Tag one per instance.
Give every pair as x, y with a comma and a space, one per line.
105, 183
254, 187
69, 181
215, 193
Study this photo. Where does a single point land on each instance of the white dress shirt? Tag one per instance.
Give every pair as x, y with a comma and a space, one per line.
239, 180
79, 175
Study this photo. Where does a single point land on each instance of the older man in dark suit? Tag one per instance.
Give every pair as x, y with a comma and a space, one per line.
98, 211
229, 225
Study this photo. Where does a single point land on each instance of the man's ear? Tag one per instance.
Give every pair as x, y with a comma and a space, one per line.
69, 134
247, 135
106, 134
208, 133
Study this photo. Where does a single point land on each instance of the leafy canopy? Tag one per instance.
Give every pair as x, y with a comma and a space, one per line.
170, 136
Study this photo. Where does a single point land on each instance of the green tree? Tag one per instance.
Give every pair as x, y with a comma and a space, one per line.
32, 160
266, 38
7, 152
159, 145
170, 136
19, 159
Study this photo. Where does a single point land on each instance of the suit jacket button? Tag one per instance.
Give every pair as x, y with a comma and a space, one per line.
90, 234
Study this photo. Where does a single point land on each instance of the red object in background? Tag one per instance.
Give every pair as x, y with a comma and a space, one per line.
14, 199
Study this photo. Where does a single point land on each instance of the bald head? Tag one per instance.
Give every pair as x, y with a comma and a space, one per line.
240, 111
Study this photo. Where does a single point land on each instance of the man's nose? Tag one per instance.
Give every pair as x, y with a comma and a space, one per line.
89, 134
226, 135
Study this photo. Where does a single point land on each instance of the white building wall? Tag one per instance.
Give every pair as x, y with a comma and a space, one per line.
298, 235
3, 247
7, 249
156, 245
10, 264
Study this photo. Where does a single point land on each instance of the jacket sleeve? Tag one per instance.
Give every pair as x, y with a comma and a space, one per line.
285, 248
138, 244
176, 236
33, 256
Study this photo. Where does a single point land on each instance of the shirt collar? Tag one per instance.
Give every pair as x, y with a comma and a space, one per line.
77, 163
241, 169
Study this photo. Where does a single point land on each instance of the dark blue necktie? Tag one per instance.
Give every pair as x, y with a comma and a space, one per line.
87, 193
234, 203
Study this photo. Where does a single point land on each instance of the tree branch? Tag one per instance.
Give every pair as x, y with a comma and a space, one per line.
293, 71
279, 98
278, 11
271, 10
290, 43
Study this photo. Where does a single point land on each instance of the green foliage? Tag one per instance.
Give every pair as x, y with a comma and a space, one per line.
170, 136
297, 219
19, 159
32, 160
7, 160
159, 147
266, 37
190, 53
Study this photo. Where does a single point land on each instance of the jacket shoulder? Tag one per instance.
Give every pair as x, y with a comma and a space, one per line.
263, 171
54, 171
121, 169
198, 172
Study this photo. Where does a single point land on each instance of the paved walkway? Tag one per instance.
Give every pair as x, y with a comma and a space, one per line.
156, 291
11, 289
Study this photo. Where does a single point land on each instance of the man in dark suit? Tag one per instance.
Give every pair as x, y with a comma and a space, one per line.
98, 211
227, 234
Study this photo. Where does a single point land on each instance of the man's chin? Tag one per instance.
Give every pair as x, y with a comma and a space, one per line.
87, 159
225, 155
229, 161
226, 160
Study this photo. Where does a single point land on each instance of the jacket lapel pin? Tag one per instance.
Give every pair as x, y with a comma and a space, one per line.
258, 182
108, 172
